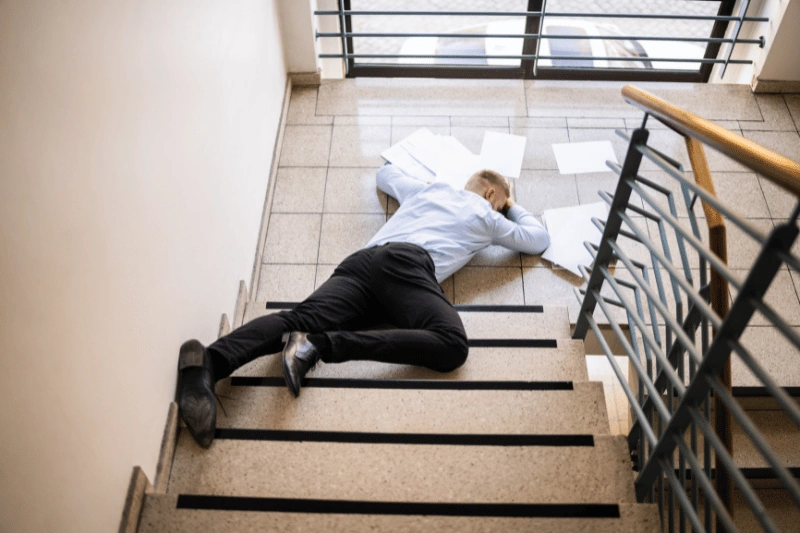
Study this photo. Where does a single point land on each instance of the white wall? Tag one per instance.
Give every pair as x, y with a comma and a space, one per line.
782, 60
136, 138
297, 24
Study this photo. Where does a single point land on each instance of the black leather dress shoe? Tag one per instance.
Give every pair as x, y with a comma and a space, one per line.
299, 356
196, 399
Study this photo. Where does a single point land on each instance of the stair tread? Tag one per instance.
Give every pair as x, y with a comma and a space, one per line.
160, 515
402, 472
552, 323
567, 362
578, 411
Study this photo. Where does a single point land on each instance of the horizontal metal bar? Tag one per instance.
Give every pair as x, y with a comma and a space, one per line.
711, 495
362, 13
679, 490
709, 198
738, 478
529, 36
669, 372
533, 56
623, 380
721, 392
786, 402
703, 306
696, 243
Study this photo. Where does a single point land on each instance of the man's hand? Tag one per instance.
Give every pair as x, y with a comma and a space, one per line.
509, 204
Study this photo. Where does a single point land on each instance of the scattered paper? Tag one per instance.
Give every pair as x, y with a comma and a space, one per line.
429, 157
503, 153
569, 228
577, 158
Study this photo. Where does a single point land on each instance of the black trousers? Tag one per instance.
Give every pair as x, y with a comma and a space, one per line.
394, 284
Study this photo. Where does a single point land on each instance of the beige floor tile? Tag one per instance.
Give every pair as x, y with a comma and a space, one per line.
793, 103
359, 120
668, 143
299, 190
292, 238
496, 256
620, 145
353, 190
785, 143
551, 98
538, 150
538, 190
359, 146
773, 352
712, 101
392, 206
553, 287
590, 183
595, 123
285, 283
776, 116
343, 234
403, 120
483, 122
418, 97
780, 202
401, 132
324, 273
742, 192
303, 107
306, 146
472, 136
537, 122
781, 297
489, 285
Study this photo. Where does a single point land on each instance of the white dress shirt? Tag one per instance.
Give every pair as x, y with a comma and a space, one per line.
452, 225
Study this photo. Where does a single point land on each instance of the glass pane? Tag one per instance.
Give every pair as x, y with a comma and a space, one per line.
486, 48
629, 53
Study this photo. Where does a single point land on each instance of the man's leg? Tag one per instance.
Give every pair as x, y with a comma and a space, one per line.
338, 302
431, 335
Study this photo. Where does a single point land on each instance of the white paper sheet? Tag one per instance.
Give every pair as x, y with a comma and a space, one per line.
569, 228
503, 153
577, 158
400, 157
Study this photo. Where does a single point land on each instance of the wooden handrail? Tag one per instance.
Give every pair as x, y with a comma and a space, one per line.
778, 169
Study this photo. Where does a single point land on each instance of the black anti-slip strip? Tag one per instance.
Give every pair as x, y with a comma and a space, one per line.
757, 392
415, 384
286, 505
512, 343
405, 438
459, 307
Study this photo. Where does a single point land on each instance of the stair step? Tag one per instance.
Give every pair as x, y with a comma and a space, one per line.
485, 321
581, 410
161, 515
566, 362
406, 473
780, 432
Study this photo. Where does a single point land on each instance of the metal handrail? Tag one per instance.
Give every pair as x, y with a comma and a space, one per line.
667, 407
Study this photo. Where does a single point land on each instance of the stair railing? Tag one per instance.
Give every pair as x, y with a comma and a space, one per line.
671, 301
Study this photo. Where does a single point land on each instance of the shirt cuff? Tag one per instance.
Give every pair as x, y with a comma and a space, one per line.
515, 212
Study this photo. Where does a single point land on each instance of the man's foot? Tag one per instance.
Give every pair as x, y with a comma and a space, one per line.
196, 399
299, 356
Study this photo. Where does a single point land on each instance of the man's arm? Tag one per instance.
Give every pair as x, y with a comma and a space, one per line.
396, 184
520, 231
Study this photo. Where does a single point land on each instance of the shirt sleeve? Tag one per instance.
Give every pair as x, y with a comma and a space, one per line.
396, 184
520, 232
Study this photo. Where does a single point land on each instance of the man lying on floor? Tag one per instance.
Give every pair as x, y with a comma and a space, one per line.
394, 279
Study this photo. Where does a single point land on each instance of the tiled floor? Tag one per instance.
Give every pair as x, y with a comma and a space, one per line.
325, 204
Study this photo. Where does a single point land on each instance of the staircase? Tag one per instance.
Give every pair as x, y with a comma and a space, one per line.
515, 440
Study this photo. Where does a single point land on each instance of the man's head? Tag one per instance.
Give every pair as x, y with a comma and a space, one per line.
490, 185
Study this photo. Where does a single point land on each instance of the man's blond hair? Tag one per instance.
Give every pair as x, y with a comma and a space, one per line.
495, 179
